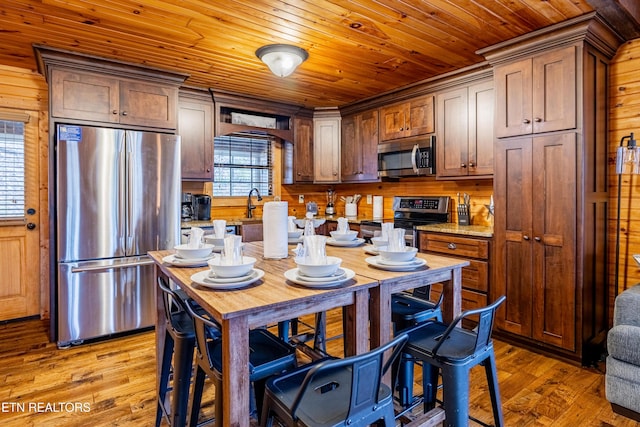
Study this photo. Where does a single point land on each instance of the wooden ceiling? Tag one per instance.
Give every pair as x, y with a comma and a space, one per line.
357, 49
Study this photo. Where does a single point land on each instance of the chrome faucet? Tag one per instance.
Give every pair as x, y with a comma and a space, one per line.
250, 207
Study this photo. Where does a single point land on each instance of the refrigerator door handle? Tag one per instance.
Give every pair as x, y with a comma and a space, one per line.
131, 244
103, 267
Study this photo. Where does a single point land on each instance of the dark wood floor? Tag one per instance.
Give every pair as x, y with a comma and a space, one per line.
112, 383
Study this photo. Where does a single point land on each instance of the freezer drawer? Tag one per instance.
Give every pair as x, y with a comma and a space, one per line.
101, 298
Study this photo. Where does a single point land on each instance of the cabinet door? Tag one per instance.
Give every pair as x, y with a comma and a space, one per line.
195, 127
481, 115
148, 104
326, 143
359, 147
421, 120
392, 122
554, 239
513, 83
453, 135
303, 149
84, 96
513, 231
554, 90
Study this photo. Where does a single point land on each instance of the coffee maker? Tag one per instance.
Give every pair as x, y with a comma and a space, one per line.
187, 207
201, 207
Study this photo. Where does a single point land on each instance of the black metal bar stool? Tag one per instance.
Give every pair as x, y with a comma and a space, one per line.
455, 350
269, 356
408, 310
179, 345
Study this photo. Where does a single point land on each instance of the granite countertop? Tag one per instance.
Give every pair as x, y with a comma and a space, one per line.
454, 228
240, 221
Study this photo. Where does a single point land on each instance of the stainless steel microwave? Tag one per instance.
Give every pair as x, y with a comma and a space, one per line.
415, 157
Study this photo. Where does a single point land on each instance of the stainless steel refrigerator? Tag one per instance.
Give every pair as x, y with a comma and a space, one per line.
117, 197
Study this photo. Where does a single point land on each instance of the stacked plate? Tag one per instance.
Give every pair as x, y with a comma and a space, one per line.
209, 279
404, 260
177, 260
340, 276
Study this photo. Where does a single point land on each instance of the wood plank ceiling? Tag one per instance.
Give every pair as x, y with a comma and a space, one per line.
357, 49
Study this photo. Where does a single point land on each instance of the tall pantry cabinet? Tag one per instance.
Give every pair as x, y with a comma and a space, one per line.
550, 185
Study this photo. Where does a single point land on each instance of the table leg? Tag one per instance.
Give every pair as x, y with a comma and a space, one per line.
452, 304
357, 324
235, 371
380, 315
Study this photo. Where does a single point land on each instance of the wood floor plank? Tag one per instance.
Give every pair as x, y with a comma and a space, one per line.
115, 379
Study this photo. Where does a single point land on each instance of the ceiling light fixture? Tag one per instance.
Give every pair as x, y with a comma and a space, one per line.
282, 59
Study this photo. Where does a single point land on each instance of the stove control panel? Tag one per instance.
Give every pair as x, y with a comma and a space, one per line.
425, 204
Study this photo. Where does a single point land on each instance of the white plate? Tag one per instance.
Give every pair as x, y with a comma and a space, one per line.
413, 261
292, 275
344, 243
178, 261
375, 262
212, 277
295, 241
202, 278
371, 250
339, 274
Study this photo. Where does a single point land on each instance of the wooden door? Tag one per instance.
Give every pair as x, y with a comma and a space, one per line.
554, 239
453, 134
326, 147
368, 129
350, 149
303, 149
392, 122
421, 120
513, 84
148, 104
195, 127
84, 96
20, 233
481, 125
513, 235
554, 90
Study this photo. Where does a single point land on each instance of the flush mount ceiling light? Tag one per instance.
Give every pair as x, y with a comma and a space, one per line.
282, 59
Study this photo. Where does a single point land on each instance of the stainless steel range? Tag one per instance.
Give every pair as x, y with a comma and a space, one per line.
410, 212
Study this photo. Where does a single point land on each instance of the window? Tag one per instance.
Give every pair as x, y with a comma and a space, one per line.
12, 190
241, 163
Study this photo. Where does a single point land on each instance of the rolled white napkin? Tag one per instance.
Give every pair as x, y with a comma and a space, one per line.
195, 237
387, 227
291, 223
232, 250
396, 240
343, 225
219, 228
315, 249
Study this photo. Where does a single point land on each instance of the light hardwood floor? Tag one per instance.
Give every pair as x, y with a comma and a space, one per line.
112, 383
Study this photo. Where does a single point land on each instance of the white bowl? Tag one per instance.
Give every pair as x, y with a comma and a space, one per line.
201, 251
398, 256
319, 270
238, 270
295, 234
378, 242
349, 235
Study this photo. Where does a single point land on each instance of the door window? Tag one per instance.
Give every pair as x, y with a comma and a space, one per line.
12, 167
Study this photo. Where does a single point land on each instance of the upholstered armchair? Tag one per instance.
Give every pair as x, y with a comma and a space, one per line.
622, 380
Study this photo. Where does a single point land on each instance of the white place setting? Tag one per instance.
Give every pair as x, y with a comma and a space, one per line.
396, 256
344, 237
316, 269
194, 253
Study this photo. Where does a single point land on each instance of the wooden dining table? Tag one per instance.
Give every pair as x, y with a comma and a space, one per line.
366, 300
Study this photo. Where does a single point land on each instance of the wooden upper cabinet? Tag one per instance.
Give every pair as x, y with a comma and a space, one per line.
195, 127
537, 94
326, 147
465, 131
359, 147
96, 97
411, 118
303, 149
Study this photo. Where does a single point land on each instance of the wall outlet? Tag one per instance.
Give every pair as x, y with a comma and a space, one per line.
301, 198
369, 199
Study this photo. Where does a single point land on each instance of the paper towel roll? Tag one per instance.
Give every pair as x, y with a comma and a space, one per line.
274, 229
378, 207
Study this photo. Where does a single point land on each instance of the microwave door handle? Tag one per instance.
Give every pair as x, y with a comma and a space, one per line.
413, 159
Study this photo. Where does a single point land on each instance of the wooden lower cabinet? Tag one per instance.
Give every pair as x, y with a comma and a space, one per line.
475, 277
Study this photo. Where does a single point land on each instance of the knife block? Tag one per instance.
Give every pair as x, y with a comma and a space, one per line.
464, 217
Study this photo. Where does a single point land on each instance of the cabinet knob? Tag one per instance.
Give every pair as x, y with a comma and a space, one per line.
526, 121
463, 165
124, 113
472, 165
401, 129
537, 120
537, 239
451, 246
525, 237
114, 112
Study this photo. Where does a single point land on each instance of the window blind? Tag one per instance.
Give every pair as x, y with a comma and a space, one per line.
12, 190
242, 163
